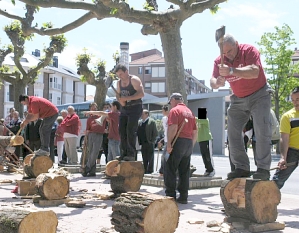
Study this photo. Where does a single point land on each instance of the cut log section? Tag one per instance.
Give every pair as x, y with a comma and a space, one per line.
51, 186
144, 212
27, 159
22, 221
255, 200
112, 168
129, 177
38, 165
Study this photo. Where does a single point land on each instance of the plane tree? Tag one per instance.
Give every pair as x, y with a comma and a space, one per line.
18, 75
166, 23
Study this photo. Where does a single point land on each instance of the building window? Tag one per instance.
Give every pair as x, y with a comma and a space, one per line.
148, 70
140, 70
158, 72
50, 97
58, 101
158, 87
11, 93
147, 85
53, 83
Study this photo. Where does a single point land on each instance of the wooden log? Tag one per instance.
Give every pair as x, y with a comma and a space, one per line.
144, 212
255, 200
112, 168
273, 226
27, 159
26, 187
38, 165
23, 220
51, 186
128, 178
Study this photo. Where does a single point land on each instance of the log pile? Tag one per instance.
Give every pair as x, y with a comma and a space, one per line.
22, 221
126, 176
35, 165
51, 186
250, 199
144, 212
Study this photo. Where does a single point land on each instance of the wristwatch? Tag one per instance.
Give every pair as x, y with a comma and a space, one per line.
231, 70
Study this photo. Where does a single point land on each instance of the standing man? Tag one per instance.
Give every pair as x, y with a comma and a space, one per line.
130, 91
204, 138
180, 153
243, 70
63, 113
147, 133
94, 134
113, 135
165, 113
40, 108
70, 126
106, 108
289, 138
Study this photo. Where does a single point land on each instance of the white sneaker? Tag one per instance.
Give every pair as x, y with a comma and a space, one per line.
209, 174
41, 152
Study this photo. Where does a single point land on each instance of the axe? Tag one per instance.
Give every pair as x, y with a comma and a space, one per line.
108, 83
176, 137
219, 38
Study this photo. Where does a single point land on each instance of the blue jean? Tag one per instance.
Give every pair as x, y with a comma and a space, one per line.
258, 105
178, 160
128, 124
113, 149
45, 131
281, 176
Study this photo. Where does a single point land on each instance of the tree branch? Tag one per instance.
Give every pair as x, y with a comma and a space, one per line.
54, 31
9, 77
199, 7
148, 30
177, 2
10, 16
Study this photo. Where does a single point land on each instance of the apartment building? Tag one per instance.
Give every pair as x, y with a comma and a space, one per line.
56, 82
149, 66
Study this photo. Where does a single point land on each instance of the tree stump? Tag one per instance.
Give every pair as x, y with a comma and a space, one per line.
51, 186
126, 176
22, 221
38, 165
251, 199
144, 212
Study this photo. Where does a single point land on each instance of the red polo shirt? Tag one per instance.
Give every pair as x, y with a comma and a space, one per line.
113, 126
247, 55
93, 126
41, 106
177, 115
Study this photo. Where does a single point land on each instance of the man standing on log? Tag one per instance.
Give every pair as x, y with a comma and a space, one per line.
289, 138
130, 91
180, 152
147, 133
243, 70
40, 108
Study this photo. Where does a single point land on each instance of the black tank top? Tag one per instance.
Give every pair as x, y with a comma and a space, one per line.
128, 91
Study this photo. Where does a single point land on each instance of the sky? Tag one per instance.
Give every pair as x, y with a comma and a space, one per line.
246, 20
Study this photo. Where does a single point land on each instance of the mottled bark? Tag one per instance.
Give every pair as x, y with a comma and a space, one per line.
254, 200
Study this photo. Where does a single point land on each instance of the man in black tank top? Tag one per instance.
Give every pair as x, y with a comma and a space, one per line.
130, 91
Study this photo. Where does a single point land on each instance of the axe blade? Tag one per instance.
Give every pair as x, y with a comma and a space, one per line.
108, 81
220, 32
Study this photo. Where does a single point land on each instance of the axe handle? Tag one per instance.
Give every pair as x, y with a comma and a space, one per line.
221, 51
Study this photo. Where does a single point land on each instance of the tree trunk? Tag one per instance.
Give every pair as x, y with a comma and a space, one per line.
21, 221
254, 200
129, 177
19, 88
51, 186
38, 165
100, 95
144, 212
174, 64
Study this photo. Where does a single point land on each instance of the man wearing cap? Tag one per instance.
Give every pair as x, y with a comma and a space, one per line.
180, 152
39, 107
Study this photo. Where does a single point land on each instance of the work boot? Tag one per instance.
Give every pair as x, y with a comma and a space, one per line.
261, 174
238, 173
41, 152
182, 200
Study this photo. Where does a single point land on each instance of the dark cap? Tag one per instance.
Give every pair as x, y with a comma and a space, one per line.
176, 96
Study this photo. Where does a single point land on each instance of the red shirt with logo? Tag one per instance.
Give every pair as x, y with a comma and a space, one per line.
94, 127
41, 106
70, 124
113, 126
177, 116
247, 55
